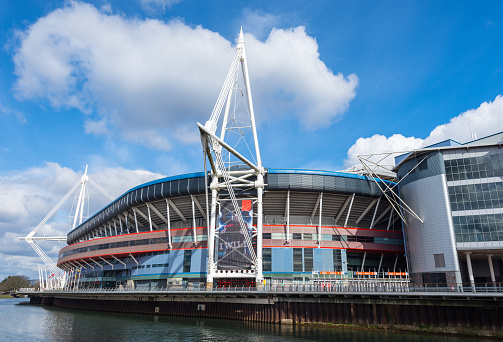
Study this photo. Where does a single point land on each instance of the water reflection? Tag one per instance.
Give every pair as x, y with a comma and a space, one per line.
36, 323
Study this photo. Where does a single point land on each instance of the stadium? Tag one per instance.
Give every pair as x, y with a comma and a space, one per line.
241, 224
316, 226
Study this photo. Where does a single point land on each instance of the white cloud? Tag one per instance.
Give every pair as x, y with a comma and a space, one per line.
98, 127
158, 5
485, 120
289, 77
379, 143
259, 23
20, 116
27, 196
149, 79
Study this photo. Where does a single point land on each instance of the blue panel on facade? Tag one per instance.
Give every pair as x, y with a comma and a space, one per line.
198, 261
328, 260
176, 261
318, 260
282, 259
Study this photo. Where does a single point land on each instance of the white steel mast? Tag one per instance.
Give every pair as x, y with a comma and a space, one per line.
224, 156
56, 272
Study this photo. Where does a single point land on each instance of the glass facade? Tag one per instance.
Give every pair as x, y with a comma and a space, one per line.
489, 165
476, 196
478, 228
477, 209
334, 237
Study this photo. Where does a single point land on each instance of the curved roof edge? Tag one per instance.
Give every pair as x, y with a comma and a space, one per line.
193, 183
165, 179
325, 173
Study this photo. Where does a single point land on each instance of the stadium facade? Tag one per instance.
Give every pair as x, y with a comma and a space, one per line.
318, 226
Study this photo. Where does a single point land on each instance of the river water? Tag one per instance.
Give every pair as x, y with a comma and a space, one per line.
20, 321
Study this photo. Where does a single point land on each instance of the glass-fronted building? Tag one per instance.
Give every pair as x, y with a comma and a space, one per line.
457, 190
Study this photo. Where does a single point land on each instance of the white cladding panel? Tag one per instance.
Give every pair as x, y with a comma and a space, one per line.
429, 199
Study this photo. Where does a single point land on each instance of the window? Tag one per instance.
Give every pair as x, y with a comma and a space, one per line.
336, 238
186, 238
201, 237
439, 260
308, 259
474, 167
297, 260
326, 237
187, 257
297, 236
337, 260
478, 228
476, 196
308, 236
354, 261
266, 260
266, 236
278, 236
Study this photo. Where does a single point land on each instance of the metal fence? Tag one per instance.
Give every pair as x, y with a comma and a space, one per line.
343, 286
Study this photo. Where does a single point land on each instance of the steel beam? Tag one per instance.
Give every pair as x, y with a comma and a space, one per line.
177, 211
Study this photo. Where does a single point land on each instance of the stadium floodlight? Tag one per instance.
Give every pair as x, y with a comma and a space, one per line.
235, 162
57, 275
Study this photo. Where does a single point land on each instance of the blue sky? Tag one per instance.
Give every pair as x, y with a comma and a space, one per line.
120, 86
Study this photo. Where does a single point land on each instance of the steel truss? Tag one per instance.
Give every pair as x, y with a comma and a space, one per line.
374, 168
231, 169
53, 277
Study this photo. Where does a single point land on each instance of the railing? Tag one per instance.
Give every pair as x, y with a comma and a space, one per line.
343, 286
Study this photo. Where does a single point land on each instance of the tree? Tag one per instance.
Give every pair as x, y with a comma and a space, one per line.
13, 283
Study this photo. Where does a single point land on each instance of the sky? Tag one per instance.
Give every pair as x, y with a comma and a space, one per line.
120, 85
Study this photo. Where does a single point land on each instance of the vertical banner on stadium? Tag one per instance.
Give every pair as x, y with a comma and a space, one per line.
232, 251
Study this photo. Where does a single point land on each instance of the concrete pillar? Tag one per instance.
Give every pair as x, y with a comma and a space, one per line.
470, 271
491, 269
